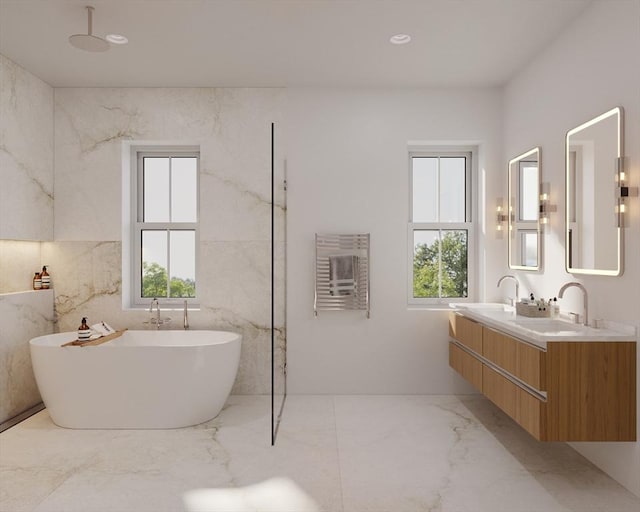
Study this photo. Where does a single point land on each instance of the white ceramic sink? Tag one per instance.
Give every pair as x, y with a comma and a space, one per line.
550, 326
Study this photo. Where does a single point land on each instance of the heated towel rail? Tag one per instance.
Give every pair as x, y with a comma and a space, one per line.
342, 273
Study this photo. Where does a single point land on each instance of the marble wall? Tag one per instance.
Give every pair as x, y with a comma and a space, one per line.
26, 154
233, 129
26, 218
24, 315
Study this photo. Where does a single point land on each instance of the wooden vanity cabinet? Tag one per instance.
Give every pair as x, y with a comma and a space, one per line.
573, 391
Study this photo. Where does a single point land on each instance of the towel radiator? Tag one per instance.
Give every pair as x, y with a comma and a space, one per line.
333, 246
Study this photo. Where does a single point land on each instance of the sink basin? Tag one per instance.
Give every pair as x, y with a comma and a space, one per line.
547, 326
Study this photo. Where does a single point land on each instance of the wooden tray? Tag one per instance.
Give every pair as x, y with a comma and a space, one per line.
93, 343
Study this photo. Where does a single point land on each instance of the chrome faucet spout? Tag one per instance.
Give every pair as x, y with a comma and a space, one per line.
510, 276
585, 298
157, 303
185, 320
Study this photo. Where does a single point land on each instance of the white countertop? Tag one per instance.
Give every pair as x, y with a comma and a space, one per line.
539, 331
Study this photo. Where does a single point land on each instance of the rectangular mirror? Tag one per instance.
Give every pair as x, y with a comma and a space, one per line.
525, 244
593, 238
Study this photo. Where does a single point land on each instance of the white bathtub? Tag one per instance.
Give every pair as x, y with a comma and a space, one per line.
144, 379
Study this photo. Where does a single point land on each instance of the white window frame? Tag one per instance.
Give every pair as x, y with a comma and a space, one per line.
138, 226
470, 153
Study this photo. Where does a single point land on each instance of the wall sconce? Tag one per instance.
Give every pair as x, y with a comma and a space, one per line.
546, 208
501, 216
623, 190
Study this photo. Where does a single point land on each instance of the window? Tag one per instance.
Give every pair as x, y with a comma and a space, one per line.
440, 228
165, 225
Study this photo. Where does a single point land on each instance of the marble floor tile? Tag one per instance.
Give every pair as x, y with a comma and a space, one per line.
345, 453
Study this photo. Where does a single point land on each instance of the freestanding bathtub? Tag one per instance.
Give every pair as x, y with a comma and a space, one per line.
143, 379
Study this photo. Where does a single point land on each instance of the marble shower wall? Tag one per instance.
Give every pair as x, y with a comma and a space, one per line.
26, 218
26, 154
24, 315
232, 128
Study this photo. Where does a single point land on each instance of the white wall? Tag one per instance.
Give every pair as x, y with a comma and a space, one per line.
347, 164
591, 68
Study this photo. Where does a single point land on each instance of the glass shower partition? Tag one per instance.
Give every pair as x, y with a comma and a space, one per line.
278, 283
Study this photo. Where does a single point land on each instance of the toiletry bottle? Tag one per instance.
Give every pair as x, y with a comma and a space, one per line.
555, 308
84, 331
37, 282
46, 278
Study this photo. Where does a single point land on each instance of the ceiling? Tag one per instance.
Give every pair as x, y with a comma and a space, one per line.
271, 43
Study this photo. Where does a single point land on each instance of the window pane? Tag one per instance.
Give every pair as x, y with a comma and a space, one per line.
425, 189
529, 191
154, 264
440, 264
184, 186
454, 247
156, 189
452, 189
183, 264
426, 263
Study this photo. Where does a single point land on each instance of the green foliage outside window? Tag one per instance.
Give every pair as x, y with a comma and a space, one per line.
154, 283
429, 273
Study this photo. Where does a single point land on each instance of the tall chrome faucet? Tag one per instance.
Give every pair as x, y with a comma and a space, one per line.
509, 276
157, 303
585, 302
185, 319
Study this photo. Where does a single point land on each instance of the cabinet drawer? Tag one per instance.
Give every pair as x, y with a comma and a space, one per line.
466, 331
516, 357
466, 365
528, 411
531, 414
500, 391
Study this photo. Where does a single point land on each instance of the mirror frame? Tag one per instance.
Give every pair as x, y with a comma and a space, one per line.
619, 111
511, 209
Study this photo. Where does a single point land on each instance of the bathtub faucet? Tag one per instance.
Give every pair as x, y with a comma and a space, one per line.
185, 319
158, 321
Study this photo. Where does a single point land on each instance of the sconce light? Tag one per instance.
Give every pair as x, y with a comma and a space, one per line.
501, 216
546, 208
623, 190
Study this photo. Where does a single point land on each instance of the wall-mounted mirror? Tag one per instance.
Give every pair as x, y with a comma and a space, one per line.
593, 237
525, 243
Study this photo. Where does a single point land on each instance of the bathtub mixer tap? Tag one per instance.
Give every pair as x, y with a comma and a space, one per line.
157, 320
185, 318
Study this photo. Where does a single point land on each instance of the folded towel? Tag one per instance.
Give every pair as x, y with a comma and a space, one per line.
342, 274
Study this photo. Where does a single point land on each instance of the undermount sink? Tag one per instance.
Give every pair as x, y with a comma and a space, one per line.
547, 326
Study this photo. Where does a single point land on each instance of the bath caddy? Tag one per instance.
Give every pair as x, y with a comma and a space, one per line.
93, 343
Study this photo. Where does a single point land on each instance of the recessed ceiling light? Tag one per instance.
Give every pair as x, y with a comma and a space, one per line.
400, 39
116, 39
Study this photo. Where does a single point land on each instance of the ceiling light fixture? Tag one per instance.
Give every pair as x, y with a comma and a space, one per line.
400, 39
88, 41
116, 39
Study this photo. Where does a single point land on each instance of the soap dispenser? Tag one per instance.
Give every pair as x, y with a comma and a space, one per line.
37, 282
46, 278
84, 331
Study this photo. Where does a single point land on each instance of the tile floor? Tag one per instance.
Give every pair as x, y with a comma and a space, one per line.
347, 453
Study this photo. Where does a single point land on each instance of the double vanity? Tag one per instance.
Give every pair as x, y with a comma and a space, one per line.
559, 381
